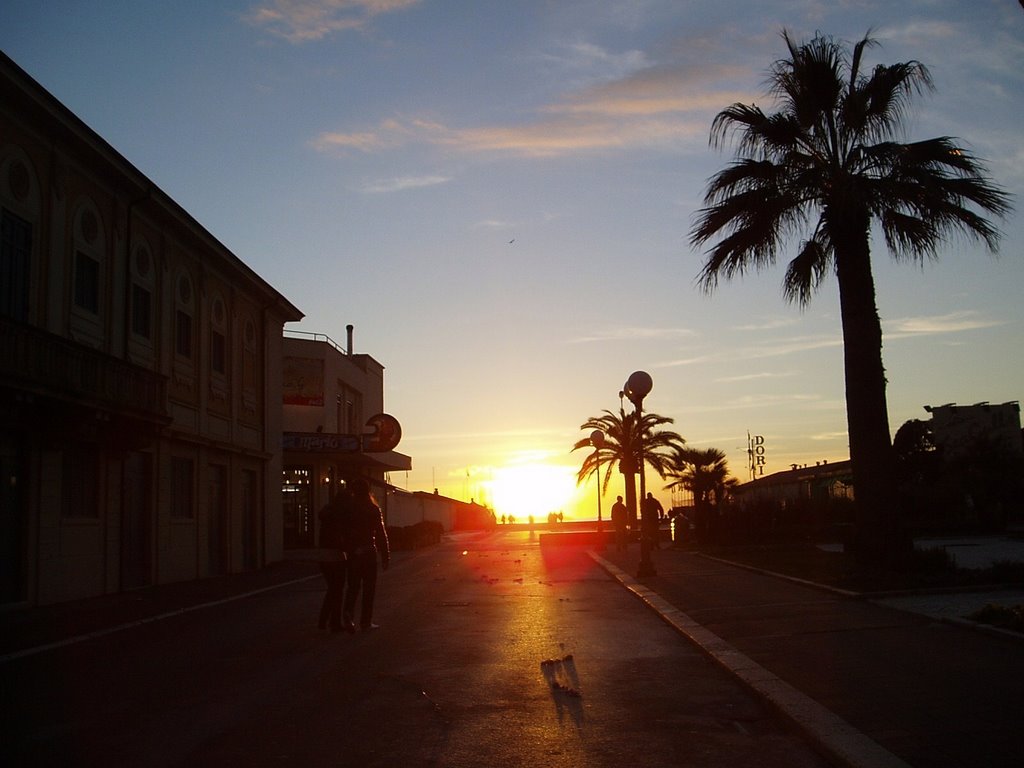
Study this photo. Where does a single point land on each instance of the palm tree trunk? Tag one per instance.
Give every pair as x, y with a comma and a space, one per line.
878, 533
631, 504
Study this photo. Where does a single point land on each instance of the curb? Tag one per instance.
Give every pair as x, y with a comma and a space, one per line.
829, 732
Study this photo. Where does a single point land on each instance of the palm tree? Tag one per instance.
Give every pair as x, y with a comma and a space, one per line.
826, 167
705, 473
623, 438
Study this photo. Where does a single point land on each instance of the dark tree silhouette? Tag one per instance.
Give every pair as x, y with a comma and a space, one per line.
825, 167
623, 437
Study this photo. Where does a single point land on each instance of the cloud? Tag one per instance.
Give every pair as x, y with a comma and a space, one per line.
592, 62
301, 21
493, 224
390, 133
363, 141
404, 182
634, 334
656, 107
830, 436
755, 376
954, 322
768, 324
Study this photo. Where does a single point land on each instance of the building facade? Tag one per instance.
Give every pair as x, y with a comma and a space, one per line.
140, 373
334, 427
961, 430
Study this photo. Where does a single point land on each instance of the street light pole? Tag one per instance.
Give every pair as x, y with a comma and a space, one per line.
636, 388
597, 440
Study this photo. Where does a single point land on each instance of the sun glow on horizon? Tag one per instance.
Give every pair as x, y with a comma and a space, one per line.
534, 488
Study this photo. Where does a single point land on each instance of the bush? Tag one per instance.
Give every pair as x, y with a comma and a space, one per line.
1008, 572
1002, 616
409, 537
926, 562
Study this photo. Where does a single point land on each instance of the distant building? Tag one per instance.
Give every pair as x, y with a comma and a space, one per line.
822, 482
140, 373
405, 508
960, 430
333, 401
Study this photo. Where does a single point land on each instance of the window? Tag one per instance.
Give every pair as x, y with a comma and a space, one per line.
87, 283
218, 338
15, 253
81, 484
183, 334
249, 356
184, 312
182, 488
142, 293
142, 312
218, 353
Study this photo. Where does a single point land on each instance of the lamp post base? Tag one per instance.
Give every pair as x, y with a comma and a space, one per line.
646, 567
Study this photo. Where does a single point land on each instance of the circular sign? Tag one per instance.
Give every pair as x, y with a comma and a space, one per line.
387, 433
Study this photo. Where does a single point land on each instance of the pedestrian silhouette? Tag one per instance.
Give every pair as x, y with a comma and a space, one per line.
366, 538
619, 523
331, 554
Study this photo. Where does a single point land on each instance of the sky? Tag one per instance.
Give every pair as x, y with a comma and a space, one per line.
498, 195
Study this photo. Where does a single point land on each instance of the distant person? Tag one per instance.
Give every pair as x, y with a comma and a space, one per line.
331, 554
619, 523
366, 539
650, 515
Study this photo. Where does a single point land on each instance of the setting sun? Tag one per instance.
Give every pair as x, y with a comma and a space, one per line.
534, 489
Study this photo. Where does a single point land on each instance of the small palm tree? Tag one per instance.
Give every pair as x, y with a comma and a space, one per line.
624, 436
705, 473
826, 167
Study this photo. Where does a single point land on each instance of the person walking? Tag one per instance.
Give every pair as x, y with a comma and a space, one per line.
366, 538
651, 512
619, 523
331, 552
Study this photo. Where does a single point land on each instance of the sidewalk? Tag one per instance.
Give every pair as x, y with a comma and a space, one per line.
872, 685
26, 630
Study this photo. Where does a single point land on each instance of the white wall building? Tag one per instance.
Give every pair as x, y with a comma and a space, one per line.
334, 420
959, 430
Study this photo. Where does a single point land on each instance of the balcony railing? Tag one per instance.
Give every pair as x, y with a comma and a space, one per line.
44, 364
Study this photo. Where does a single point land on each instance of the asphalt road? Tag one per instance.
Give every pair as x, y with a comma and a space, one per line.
490, 653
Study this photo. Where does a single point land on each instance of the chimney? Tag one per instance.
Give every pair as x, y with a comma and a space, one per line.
350, 328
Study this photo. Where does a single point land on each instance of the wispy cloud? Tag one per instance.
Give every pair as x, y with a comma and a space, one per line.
634, 334
656, 107
953, 322
301, 21
388, 134
755, 377
404, 182
768, 324
830, 436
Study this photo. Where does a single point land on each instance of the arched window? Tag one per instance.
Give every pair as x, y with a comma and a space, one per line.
88, 266
218, 337
184, 312
19, 217
143, 277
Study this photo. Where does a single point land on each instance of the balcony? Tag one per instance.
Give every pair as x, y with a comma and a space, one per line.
43, 365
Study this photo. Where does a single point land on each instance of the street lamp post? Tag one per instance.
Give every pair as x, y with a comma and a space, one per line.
636, 388
597, 440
